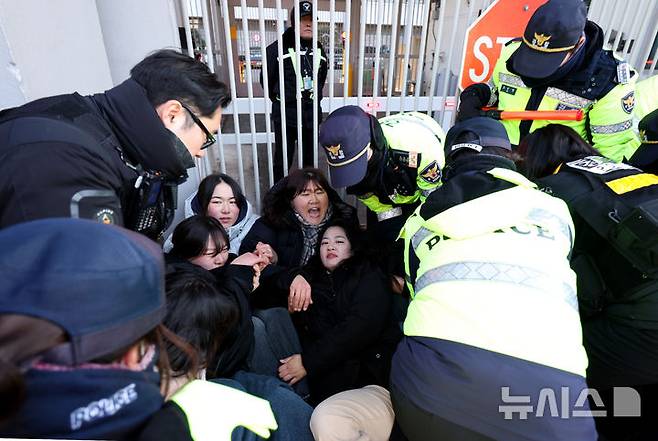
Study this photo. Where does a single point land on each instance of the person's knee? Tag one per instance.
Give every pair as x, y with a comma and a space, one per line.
360, 414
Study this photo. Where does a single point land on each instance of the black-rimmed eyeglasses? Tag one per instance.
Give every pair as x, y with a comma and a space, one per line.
210, 138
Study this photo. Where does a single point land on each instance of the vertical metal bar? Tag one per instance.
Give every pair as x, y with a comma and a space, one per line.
206, 31
435, 62
332, 49
234, 98
266, 92
215, 26
594, 12
298, 84
222, 158
346, 55
420, 66
362, 45
622, 26
282, 90
316, 65
186, 25
408, 29
653, 64
378, 45
250, 94
446, 79
635, 56
393, 54
606, 22
635, 25
644, 57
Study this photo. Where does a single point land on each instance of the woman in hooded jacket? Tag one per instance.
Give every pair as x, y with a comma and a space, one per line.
294, 211
220, 197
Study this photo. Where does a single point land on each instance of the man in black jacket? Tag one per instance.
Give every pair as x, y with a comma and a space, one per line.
309, 62
116, 157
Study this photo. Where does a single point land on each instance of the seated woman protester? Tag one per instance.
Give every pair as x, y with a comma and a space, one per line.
199, 314
347, 334
615, 212
294, 211
261, 338
493, 321
219, 196
81, 334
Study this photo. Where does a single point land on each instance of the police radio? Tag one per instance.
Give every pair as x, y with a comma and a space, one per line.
153, 204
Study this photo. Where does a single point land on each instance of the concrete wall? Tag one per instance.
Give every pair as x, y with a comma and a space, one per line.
133, 29
55, 47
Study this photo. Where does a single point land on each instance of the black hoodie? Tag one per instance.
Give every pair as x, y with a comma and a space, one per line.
75, 156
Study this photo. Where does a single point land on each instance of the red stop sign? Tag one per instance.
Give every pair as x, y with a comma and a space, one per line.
501, 22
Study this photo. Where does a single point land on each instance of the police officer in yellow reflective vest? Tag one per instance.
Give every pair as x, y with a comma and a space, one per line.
646, 111
391, 164
493, 320
560, 64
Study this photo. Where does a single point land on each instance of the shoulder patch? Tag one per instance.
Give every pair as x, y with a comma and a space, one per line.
599, 165
106, 216
628, 102
431, 173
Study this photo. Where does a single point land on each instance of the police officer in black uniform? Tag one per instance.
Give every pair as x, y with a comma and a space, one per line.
311, 59
615, 212
117, 156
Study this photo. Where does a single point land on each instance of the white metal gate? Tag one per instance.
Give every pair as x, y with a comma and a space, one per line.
384, 55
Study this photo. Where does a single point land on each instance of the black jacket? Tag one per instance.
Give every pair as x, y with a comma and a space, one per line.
607, 281
236, 283
287, 239
75, 156
347, 334
288, 40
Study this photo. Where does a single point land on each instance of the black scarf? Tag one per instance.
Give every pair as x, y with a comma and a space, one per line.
90, 402
143, 137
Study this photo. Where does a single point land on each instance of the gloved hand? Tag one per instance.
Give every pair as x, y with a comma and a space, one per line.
472, 99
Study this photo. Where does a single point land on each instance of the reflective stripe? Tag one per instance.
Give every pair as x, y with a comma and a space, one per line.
427, 192
511, 79
496, 272
419, 237
612, 128
568, 98
389, 214
632, 182
553, 92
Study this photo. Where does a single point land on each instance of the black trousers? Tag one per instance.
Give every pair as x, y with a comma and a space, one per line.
291, 139
420, 425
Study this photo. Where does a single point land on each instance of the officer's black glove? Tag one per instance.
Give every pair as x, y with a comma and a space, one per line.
472, 99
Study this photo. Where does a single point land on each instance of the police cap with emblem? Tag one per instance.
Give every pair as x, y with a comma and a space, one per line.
486, 132
345, 137
553, 30
102, 284
305, 8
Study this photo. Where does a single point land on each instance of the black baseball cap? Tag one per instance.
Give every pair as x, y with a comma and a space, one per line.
305, 8
488, 133
345, 137
553, 30
102, 284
